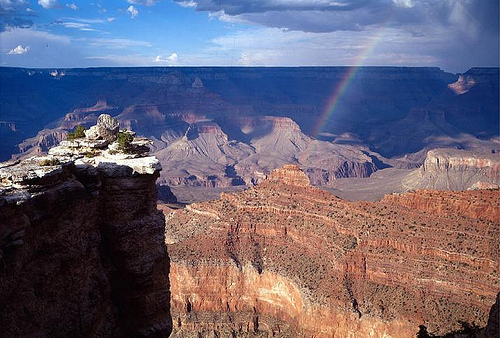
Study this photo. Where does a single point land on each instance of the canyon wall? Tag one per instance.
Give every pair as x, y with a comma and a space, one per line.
82, 249
286, 259
454, 169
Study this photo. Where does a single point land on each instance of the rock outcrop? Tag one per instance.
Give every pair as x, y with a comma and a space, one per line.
285, 259
478, 204
82, 249
463, 84
453, 169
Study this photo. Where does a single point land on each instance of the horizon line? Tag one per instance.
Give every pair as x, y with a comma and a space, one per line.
245, 67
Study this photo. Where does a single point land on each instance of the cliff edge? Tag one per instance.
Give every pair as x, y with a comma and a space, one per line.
82, 248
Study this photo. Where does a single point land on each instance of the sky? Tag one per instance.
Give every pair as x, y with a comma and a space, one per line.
452, 34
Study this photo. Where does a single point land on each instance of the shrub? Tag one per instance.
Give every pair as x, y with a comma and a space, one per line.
49, 162
78, 132
124, 139
90, 154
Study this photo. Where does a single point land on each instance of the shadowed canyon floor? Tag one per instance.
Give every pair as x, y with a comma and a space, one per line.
287, 259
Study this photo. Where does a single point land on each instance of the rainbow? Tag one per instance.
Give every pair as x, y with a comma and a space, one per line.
344, 83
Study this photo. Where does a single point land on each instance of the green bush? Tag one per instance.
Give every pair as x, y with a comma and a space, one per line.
78, 132
124, 140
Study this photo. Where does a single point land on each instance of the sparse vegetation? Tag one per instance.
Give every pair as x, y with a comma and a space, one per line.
124, 140
91, 153
49, 162
78, 132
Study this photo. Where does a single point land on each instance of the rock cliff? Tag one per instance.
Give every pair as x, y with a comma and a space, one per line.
285, 259
82, 249
453, 169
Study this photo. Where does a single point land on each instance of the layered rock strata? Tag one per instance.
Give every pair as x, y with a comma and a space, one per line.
285, 259
454, 169
82, 249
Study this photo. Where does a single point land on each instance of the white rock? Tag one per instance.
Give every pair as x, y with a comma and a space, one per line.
126, 167
92, 133
108, 122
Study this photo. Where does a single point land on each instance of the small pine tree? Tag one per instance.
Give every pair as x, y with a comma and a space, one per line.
124, 139
78, 132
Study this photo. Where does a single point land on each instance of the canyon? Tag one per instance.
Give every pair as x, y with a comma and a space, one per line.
84, 252
286, 259
257, 211
223, 128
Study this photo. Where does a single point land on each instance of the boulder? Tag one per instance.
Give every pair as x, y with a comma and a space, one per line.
107, 127
92, 133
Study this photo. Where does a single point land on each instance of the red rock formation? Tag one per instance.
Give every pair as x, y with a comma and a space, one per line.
288, 259
82, 250
478, 204
291, 175
463, 84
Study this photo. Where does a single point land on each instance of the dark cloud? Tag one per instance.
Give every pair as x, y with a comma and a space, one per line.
237, 7
13, 13
10, 22
329, 16
453, 34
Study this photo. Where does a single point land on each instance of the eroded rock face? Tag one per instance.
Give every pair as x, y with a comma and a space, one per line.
463, 84
288, 260
291, 175
107, 127
477, 204
453, 169
82, 249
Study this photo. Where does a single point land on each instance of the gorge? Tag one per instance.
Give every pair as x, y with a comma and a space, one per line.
84, 253
226, 128
292, 220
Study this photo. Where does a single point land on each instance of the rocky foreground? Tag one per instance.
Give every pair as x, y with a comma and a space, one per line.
82, 249
285, 259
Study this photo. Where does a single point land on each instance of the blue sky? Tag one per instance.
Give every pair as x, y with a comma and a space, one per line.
452, 34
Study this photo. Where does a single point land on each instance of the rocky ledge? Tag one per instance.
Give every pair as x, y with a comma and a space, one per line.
82, 249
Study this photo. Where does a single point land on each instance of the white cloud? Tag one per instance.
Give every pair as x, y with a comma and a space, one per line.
12, 4
48, 3
111, 19
404, 3
172, 59
47, 50
72, 6
85, 20
115, 43
373, 47
188, 4
143, 2
222, 16
133, 11
79, 25
122, 60
19, 50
